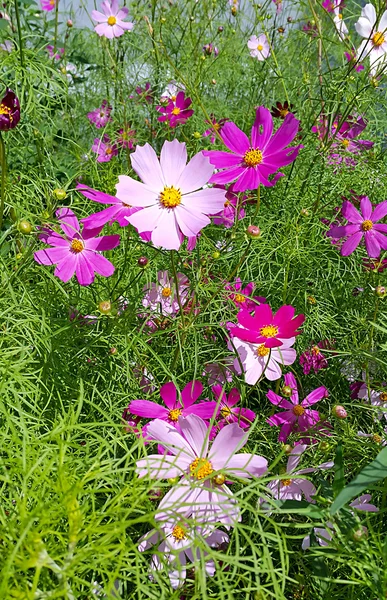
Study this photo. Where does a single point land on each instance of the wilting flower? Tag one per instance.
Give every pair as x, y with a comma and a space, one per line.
227, 410
280, 110
171, 207
145, 93
176, 112
253, 161
161, 297
257, 360
9, 111
117, 212
104, 149
100, 116
263, 327
297, 417
56, 56
216, 126
259, 47
111, 23
47, 5
313, 358
375, 43
361, 225
232, 209
203, 470
209, 49
76, 252
241, 296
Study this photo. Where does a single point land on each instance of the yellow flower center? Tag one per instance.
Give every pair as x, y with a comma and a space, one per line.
262, 350
109, 150
173, 98
227, 203
298, 410
201, 468
260, 47
112, 21
340, 16
239, 298
166, 292
174, 414
377, 438
345, 143
286, 482
77, 246
383, 397
176, 111
253, 157
170, 197
367, 225
225, 411
283, 112
315, 350
378, 38
269, 331
5, 110
179, 533
216, 126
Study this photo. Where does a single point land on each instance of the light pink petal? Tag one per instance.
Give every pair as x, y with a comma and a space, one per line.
196, 432
66, 268
122, 13
160, 467
228, 441
295, 456
166, 233
147, 219
51, 256
273, 370
363, 27
173, 159
209, 201
245, 465
168, 436
351, 243
307, 489
190, 222
147, 409
235, 139
145, 163
168, 394
369, 12
98, 16
196, 174
135, 193
103, 29
177, 501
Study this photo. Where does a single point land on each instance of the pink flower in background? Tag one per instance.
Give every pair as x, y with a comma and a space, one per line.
219, 373
342, 136
55, 56
161, 297
76, 252
259, 47
297, 417
341, 28
111, 23
233, 209
240, 296
351, 58
278, 4
216, 126
376, 438
171, 91
126, 138
48, 5
310, 29
210, 49
145, 93
203, 470
227, 410
257, 360
331, 5
176, 112
313, 358
375, 399
251, 162
174, 407
173, 204
104, 149
262, 327
362, 225
100, 116
118, 211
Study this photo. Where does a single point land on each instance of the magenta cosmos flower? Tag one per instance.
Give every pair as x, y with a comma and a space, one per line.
203, 469
48, 5
174, 407
240, 296
173, 204
126, 138
100, 116
253, 161
76, 252
176, 112
111, 23
262, 327
118, 211
104, 149
232, 210
297, 417
257, 360
216, 126
227, 410
361, 225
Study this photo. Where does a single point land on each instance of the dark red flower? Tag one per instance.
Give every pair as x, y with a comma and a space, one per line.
9, 111
281, 110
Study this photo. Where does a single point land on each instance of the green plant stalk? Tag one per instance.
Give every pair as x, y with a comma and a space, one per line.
19, 32
2, 185
56, 25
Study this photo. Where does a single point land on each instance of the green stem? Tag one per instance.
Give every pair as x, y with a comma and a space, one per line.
19, 31
56, 25
174, 272
3, 173
258, 201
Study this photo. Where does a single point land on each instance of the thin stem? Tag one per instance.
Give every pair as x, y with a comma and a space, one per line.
174, 272
19, 32
258, 201
56, 25
2, 185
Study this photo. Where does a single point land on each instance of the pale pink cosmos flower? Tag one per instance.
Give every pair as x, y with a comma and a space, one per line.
375, 37
259, 361
173, 204
55, 55
76, 252
171, 91
259, 47
374, 398
111, 23
104, 149
297, 417
203, 469
161, 297
48, 5
341, 28
219, 372
100, 116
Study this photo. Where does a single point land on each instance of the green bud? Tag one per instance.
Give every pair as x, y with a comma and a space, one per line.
25, 227
59, 194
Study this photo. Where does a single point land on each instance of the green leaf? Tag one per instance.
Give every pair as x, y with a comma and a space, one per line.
372, 473
3, 24
300, 507
338, 482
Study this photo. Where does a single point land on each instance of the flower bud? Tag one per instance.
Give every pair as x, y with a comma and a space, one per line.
220, 479
281, 29
25, 227
380, 291
324, 446
287, 391
155, 494
287, 448
253, 231
234, 11
142, 261
304, 212
213, 81
360, 534
215, 255
69, 23
339, 412
113, 351
105, 307
290, 20
163, 20
220, 29
197, 135
311, 299
59, 194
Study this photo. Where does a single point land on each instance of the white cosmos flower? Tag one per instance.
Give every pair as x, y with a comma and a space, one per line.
259, 47
342, 29
375, 43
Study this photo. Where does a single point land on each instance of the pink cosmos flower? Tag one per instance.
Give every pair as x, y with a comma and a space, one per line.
171, 207
171, 91
342, 134
314, 359
219, 373
161, 297
76, 252
126, 138
361, 225
174, 406
251, 162
145, 93
376, 438
257, 360
55, 56
216, 126
259, 47
117, 212
104, 149
351, 58
375, 399
241, 296
227, 410
178, 543
278, 4
262, 327
203, 470
100, 116
232, 210
297, 417
111, 23
209, 49
176, 112
48, 5
374, 44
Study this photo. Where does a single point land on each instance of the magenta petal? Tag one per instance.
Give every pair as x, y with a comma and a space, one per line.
372, 244
96, 195
169, 395
102, 217
68, 221
51, 256
351, 213
380, 212
66, 268
233, 397
204, 410
351, 243
249, 180
281, 418
106, 242
318, 394
285, 432
343, 230
262, 128
283, 136
99, 264
366, 207
221, 159
191, 393
84, 270
382, 239
235, 139
227, 176
147, 409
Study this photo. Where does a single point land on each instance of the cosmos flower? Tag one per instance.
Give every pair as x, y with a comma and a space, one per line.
227, 409
210, 49
297, 417
257, 360
241, 296
351, 58
173, 204
362, 225
232, 209
313, 358
203, 469
145, 93
259, 47
48, 5
118, 211
216, 126
251, 162
100, 116
56, 56
376, 438
126, 138
278, 4
341, 28
161, 297
76, 252
110, 21
375, 42
7, 46
9, 111
262, 327
104, 149
375, 399
280, 110
176, 112
171, 91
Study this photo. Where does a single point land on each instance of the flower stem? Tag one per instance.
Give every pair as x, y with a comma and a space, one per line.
258, 201
56, 26
3, 173
19, 32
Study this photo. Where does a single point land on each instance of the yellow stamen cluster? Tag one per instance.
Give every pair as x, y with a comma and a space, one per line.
383, 397
260, 47
262, 350
112, 21
345, 143
377, 439
269, 331
286, 482
298, 410
367, 225
283, 112
166, 292
170, 197
77, 246
315, 350
201, 468
179, 533
378, 39
174, 414
253, 157
176, 111
225, 411
239, 298
5, 110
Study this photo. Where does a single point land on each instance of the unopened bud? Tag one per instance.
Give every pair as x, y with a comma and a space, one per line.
288, 448
220, 29
290, 20
213, 81
142, 261
287, 391
339, 412
69, 23
25, 227
324, 446
59, 194
304, 212
105, 307
163, 20
253, 231
155, 494
113, 351
197, 135
216, 255
380, 291
360, 534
